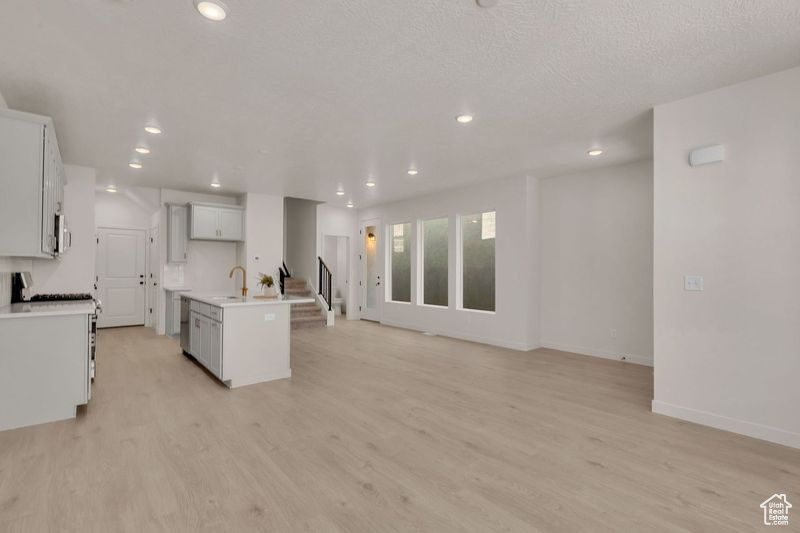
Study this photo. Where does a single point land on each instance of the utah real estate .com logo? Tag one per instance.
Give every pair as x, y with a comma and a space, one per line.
776, 510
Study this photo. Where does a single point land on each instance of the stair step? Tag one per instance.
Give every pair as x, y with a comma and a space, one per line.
307, 322
297, 292
308, 311
294, 282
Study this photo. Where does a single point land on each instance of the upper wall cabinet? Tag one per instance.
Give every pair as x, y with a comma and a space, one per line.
215, 222
32, 185
178, 235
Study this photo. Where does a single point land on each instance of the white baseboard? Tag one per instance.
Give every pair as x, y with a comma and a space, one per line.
605, 354
743, 427
258, 378
514, 345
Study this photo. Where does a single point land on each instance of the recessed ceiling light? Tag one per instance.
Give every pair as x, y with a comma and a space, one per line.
350, 204
212, 9
153, 130
464, 119
111, 188
370, 183
134, 164
594, 152
142, 150
413, 171
339, 193
216, 184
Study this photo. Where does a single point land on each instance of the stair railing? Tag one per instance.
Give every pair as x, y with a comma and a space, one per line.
325, 282
283, 273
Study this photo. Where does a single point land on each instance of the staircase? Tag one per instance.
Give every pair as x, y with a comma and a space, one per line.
303, 315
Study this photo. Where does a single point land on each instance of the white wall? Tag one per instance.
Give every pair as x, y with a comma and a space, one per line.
128, 208
208, 263
729, 356
300, 238
341, 221
512, 325
597, 262
262, 250
74, 272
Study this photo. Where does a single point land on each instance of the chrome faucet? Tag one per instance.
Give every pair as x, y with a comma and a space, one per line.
244, 278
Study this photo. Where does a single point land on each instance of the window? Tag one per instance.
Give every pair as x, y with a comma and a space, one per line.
434, 261
400, 260
477, 261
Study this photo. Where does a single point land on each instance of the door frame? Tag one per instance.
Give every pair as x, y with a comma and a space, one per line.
377, 314
347, 299
152, 275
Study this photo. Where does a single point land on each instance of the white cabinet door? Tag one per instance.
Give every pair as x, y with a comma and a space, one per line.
177, 234
174, 320
205, 222
216, 348
31, 185
195, 337
205, 348
231, 224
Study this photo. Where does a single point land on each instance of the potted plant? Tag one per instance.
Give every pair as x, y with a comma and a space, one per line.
267, 284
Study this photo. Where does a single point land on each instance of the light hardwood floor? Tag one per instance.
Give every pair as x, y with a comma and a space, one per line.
382, 429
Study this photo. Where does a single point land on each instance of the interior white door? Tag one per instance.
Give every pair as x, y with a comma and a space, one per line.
121, 276
371, 270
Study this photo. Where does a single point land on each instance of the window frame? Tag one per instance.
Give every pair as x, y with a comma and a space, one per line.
389, 261
460, 261
421, 262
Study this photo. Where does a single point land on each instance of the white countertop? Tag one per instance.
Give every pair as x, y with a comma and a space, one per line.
28, 309
220, 300
176, 288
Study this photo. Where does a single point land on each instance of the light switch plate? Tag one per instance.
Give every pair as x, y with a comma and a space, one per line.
693, 283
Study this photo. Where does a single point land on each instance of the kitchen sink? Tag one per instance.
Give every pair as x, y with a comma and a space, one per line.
225, 297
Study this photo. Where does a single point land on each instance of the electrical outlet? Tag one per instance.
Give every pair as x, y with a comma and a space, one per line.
613, 333
693, 283
269, 317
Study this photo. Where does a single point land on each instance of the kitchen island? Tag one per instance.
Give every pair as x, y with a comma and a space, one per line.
240, 340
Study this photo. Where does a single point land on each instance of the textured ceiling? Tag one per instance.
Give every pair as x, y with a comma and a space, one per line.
336, 91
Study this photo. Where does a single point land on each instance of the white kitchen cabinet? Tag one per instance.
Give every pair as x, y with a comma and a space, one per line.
231, 224
32, 183
195, 339
205, 340
216, 222
216, 348
177, 239
173, 310
45, 362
